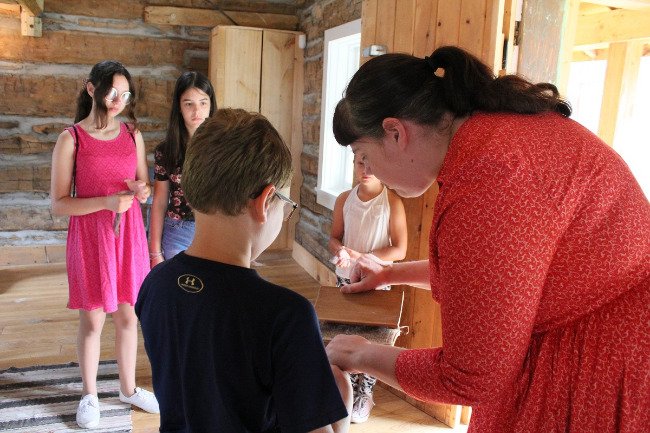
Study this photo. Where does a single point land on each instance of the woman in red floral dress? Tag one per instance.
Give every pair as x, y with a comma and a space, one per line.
539, 252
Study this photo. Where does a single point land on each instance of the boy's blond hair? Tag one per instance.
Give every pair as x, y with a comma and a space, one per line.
230, 159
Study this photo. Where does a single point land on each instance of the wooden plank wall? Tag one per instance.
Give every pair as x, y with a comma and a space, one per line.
423, 25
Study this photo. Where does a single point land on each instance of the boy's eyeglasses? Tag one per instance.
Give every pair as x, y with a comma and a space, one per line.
113, 94
290, 206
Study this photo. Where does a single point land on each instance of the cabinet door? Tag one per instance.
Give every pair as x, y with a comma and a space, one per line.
235, 66
261, 70
277, 97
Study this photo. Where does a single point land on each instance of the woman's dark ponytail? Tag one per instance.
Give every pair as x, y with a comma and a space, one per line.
84, 104
470, 85
451, 80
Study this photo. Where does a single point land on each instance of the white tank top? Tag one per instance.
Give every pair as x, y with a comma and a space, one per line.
365, 225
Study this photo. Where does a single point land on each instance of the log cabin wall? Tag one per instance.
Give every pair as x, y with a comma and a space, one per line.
40, 78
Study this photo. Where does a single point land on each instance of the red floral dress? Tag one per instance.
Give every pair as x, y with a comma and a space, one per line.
540, 259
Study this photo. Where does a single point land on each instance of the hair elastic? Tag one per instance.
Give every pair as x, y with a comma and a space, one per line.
438, 71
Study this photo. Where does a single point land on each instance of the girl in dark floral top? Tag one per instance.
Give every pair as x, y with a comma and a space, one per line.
172, 222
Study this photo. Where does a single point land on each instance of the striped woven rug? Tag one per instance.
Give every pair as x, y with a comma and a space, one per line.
44, 399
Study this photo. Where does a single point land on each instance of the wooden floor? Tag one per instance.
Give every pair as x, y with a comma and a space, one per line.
36, 328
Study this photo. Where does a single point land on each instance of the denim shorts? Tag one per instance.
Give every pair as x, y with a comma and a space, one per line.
176, 237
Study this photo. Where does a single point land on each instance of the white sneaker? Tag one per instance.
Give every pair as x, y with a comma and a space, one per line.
363, 404
88, 411
143, 399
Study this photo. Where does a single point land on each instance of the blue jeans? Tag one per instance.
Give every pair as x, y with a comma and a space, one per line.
176, 236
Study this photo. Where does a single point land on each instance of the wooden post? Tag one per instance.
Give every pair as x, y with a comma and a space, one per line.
620, 87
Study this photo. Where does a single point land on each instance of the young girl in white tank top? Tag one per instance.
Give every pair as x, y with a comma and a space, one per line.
368, 219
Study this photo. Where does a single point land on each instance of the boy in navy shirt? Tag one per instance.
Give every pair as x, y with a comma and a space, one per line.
230, 351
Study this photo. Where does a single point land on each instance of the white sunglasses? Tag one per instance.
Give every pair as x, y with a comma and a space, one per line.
113, 94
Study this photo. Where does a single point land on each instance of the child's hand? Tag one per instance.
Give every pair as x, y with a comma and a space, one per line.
155, 260
120, 202
341, 258
139, 188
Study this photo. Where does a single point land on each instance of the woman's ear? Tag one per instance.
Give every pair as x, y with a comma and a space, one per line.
395, 131
260, 205
90, 89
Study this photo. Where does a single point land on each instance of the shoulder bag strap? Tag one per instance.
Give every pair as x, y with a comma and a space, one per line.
75, 138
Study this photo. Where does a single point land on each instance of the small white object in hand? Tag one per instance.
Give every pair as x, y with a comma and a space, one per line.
341, 255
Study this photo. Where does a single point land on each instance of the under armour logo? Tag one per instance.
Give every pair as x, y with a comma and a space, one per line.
190, 283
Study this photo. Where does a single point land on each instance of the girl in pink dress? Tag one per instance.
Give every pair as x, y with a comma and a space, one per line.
539, 250
99, 174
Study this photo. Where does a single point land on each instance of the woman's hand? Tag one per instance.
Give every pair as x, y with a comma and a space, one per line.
343, 350
368, 273
140, 188
120, 202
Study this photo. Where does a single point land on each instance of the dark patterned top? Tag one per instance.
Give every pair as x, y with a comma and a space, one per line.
540, 259
177, 208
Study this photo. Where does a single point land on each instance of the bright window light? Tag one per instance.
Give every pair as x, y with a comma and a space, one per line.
585, 92
341, 51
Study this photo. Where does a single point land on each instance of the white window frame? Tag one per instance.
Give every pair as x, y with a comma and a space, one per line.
341, 53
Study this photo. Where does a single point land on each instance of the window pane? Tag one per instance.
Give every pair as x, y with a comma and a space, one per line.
341, 61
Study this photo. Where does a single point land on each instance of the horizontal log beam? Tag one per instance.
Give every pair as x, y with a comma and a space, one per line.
615, 26
211, 18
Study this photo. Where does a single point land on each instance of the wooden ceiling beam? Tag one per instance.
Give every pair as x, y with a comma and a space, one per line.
618, 25
30, 17
35, 7
178, 16
623, 4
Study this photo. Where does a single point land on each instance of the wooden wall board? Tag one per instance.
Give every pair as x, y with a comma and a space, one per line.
508, 32
472, 25
236, 72
385, 31
493, 36
424, 27
368, 26
405, 14
448, 23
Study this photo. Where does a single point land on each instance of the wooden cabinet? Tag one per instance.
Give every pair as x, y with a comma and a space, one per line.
262, 70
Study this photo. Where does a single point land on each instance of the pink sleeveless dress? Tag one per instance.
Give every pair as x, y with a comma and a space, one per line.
105, 270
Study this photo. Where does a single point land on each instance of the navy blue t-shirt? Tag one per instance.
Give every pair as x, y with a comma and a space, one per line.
232, 352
